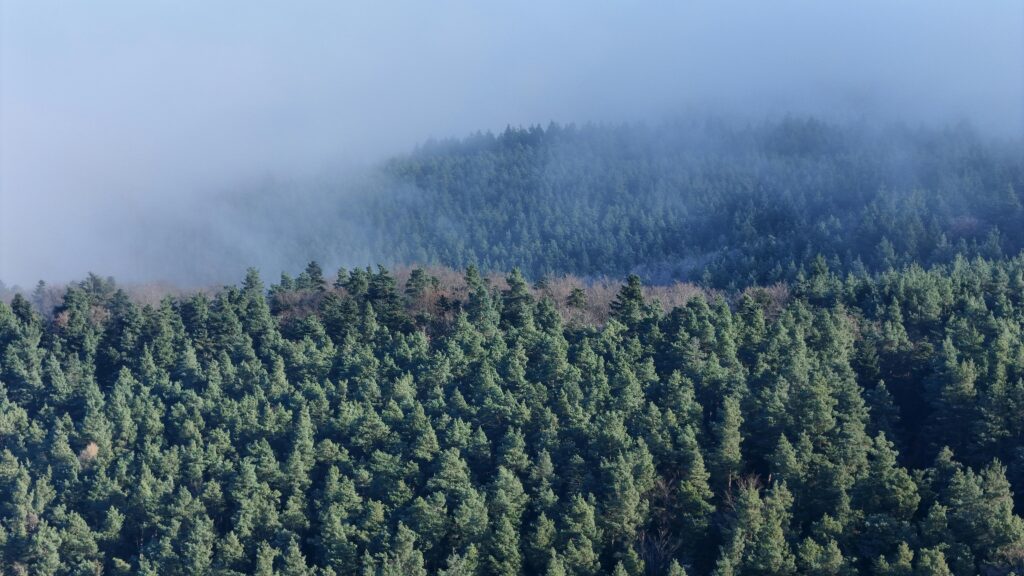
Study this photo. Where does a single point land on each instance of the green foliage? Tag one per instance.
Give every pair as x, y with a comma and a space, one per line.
352, 429
733, 205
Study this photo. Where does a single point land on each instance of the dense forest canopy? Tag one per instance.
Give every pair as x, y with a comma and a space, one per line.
843, 424
686, 200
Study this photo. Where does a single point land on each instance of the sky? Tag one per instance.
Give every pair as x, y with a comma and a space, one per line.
114, 114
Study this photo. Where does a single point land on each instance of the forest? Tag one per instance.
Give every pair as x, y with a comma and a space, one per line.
726, 204
360, 425
789, 348
722, 203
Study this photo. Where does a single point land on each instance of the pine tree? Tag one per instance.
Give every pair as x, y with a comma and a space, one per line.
622, 508
540, 542
756, 542
294, 561
931, 562
480, 307
629, 306
581, 550
265, 556
466, 564
675, 569
727, 459
517, 303
404, 559
555, 566
899, 564
887, 489
502, 556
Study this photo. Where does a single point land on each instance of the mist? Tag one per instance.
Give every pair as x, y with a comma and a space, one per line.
132, 133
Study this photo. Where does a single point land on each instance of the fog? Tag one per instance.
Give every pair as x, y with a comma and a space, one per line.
130, 130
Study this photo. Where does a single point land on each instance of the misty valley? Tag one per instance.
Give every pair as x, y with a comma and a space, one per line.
695, 347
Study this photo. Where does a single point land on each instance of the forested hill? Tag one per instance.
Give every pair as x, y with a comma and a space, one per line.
718, 203
845, 425
734, 206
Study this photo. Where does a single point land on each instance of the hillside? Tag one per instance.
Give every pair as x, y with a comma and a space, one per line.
358, 425
733, 206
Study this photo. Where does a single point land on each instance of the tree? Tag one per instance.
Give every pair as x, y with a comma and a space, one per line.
462, 564
931, 562
312, 278
887, 488
577, 298
675, 569
582, 538
503, 558
294, 561
622, 507
417, 284
756, 541
629, 306
727, 459
517, 303
556, 567
265, 556
480, 307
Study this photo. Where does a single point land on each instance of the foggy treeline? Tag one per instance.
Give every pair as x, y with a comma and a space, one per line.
702, 200
143, 134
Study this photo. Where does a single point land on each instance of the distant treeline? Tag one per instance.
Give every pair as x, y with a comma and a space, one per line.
701, 201
713, 203
362, 424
